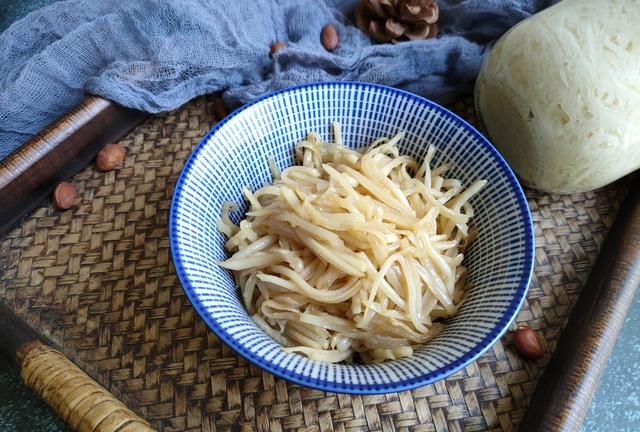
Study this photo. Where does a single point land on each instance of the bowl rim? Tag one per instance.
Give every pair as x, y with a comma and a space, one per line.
378, 388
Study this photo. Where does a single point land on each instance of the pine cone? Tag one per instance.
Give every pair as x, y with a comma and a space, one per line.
398, 20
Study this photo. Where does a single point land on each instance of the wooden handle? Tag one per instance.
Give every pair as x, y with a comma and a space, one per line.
74, 395
29, 175
78, 399
563, 394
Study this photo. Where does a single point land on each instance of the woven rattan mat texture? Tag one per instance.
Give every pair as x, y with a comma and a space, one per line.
98, 281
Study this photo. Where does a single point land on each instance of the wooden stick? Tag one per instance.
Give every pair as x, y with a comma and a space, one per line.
28, 175
563, 394
83, 403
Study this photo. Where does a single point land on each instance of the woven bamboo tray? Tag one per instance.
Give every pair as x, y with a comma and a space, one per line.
98, 281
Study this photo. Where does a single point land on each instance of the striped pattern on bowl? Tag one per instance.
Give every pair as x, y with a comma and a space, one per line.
235, 153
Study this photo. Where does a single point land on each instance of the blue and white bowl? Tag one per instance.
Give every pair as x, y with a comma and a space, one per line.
235, 153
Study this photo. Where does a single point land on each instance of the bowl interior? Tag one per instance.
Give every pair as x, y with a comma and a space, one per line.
235, 154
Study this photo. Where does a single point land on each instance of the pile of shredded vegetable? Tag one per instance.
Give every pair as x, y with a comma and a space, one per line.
352, 255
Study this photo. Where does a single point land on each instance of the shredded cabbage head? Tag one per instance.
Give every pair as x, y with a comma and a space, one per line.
559, 95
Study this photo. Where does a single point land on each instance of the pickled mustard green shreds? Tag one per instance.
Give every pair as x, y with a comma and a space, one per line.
352, 253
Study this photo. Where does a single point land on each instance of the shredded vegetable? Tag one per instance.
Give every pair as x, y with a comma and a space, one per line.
352, 254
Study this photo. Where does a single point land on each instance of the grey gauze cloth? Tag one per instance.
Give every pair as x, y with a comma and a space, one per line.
155, 55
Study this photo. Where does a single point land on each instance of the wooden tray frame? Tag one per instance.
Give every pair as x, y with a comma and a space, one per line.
28, 175
564, 391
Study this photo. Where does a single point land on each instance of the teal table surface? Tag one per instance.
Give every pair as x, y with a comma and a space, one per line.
20, 408
615, 406
12, 10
